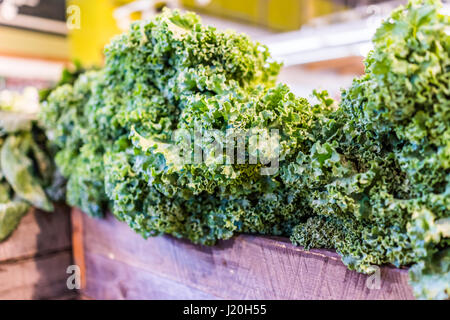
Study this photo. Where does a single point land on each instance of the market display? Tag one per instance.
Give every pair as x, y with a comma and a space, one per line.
368, 177
27, 176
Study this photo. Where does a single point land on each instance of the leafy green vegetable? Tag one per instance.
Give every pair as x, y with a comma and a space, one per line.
431, 278
96, 115
14, 121
5, 192
18, 110
17, 167
25, 166
392, 131
69, 76
369, 178
10, 215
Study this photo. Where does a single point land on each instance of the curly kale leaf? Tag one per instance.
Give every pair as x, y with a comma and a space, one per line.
390, 182
369, 178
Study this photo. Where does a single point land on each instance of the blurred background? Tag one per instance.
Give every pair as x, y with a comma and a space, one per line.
321, 42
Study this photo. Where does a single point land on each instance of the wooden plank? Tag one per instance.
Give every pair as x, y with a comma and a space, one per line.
120, 264
38, 233
78, 243
35, 278
73, 295
349, 65
115, 280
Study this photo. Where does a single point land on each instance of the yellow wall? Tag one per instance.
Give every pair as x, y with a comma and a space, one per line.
86, 44
98, 26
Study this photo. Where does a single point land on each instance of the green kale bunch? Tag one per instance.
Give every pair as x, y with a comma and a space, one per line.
388, 196
26, 172
116, 130
69, 75
155, 192
369, 178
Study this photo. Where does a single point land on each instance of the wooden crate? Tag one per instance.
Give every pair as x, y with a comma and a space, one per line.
116, 263
33, 261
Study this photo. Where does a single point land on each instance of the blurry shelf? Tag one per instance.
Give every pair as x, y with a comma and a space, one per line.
35, 69
25, 43
322, 43
36, 23
338, 36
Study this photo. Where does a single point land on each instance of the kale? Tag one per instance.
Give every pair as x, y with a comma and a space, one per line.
69, 76
368, 177
392, 132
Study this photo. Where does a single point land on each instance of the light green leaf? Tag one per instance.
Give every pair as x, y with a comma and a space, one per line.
4, 192
10, 215
11, 122
17, 168
443, 225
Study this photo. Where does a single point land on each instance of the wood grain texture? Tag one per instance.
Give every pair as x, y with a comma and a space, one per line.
34, 260
35, 278
38, 233
116, 280
350, 65
78, 243
120, 264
